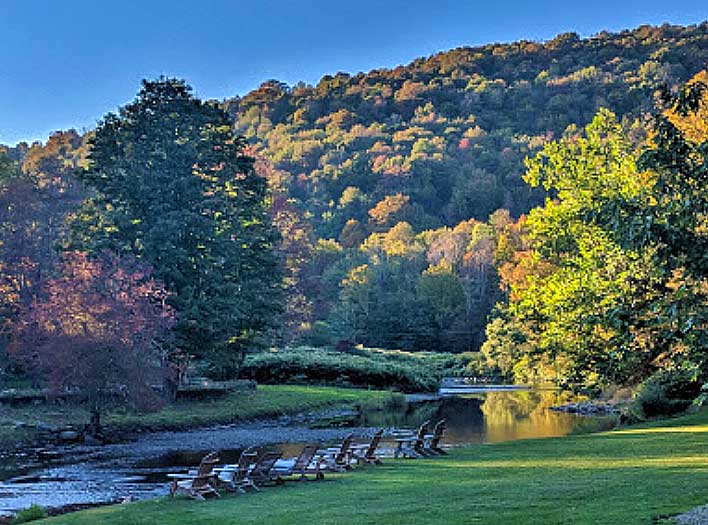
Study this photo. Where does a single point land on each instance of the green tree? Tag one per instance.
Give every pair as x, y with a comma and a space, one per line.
174, 189
670, 228
571, 284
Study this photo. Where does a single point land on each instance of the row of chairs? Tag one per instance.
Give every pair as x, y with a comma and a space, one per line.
256, 468
422, 443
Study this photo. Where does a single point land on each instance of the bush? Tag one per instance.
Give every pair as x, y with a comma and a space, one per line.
32, 513
407, 372
320, 334
664, 394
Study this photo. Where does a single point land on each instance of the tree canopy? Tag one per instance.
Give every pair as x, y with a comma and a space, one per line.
173, 187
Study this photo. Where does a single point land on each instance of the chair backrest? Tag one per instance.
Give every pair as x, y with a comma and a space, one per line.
239, 471
266, 462
420, 436
375, 441
344, 449
438, 432
205, 470
247, 458
305, 458
206, 466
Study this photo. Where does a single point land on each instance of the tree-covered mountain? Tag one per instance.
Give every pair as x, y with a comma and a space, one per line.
396, 171
450, 131
398, 192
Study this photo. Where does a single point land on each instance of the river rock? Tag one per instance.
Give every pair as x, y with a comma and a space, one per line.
588, 408
69, 435
44, 427
92, 440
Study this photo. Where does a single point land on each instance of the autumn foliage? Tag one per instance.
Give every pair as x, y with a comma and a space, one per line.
97, 330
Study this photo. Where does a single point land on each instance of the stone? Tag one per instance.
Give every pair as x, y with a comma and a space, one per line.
92, 440
46, 428
69, 435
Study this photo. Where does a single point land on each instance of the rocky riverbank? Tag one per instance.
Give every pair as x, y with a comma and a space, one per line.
65, 476
589, 408
48, 425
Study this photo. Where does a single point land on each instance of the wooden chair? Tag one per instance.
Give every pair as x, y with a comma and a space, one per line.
262, 472
367, 453
338, 458
199, 484
412, 446
432, 441
236, 477
306, 463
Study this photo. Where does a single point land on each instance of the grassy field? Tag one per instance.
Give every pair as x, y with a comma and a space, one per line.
266, 401
639, 475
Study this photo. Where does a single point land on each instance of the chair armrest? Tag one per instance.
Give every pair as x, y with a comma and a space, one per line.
181, 476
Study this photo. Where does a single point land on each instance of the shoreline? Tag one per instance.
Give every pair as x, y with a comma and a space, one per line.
268, 402
536, 474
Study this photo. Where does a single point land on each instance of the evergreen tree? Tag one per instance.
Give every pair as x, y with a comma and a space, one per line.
174, 188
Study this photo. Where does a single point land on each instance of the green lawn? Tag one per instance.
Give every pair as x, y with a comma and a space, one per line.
266, 401
637, 475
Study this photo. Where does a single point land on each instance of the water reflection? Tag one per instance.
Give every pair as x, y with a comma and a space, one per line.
490, 417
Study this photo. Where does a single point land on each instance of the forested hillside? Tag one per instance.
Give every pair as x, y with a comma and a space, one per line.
398, 192
395, 173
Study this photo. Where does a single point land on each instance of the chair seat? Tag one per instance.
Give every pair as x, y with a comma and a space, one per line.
284, 464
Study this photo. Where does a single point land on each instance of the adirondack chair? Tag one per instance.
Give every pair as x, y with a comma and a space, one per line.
432, 441
198, 484
262, 472
338, 458
236, 477
367, 453
306, 463
412, 446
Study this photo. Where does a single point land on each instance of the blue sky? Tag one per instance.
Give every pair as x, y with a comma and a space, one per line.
65, 63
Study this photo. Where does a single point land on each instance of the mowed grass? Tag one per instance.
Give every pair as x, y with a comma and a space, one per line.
638, 475
265, 401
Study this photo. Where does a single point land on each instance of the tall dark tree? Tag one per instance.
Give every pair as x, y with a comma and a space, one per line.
174, 188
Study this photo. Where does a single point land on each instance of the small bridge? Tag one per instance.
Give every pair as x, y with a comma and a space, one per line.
472, 385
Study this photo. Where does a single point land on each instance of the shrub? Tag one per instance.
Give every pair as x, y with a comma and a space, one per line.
31, 513
319, 335
407, 372
664, 394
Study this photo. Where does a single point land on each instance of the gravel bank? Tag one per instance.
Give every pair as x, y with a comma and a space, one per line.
87, 475
697, 516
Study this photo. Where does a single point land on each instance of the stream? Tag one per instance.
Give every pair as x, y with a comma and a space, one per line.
88, 475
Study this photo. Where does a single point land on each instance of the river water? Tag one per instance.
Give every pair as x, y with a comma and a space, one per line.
83, 475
